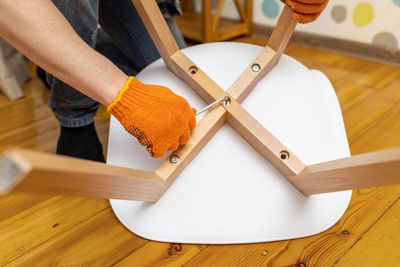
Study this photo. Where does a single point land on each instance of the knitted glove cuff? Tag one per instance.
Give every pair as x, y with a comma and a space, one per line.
133, 94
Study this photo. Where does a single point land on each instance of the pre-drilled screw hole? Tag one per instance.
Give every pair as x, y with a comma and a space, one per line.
284, 154
193, 70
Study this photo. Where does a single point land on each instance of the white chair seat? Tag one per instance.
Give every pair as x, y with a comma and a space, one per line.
229, 193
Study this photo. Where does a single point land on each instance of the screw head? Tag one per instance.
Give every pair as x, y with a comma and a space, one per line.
227, 101
174, 159
255, 68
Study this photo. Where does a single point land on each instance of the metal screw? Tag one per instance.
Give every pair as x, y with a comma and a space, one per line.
227, 101
255, 68
174, 159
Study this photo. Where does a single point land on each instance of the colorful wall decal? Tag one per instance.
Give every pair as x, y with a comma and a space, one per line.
339, 13
385, 39
270, 8
367, 21
363, 14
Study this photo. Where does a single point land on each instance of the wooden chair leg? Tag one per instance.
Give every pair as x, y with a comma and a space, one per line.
207, 20
43, 172
361, 171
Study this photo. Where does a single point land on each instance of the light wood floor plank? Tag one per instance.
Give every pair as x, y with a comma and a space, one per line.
166, 255
31, 228
97, 241
382, 240
319, 250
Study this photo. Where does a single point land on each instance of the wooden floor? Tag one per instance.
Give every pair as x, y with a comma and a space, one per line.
39, 230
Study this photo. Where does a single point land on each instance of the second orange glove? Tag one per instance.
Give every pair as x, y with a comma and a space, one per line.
157, 117
306, 11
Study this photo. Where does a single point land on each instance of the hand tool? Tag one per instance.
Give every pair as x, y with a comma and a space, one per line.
224, 99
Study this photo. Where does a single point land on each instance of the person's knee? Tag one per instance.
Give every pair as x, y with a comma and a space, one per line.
83, 17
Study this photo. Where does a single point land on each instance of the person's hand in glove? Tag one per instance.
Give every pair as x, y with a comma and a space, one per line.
157, 117
306, 11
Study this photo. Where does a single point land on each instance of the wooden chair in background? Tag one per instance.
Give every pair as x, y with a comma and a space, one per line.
208, 26
13, 71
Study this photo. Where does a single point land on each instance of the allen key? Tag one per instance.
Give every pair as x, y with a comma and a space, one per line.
226, 101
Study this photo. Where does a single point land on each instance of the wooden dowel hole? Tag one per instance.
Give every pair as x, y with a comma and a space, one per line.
193, 70
284, 155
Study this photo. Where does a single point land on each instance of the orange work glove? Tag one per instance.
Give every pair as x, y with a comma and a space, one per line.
158, 118
306, 11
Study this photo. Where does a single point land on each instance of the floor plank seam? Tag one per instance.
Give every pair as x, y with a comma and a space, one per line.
201, 250
366, 231
8, 133
375, 123
130, 253
365, 129
66, 230
31, 213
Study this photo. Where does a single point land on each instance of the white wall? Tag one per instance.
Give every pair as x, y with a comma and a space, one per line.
367, 21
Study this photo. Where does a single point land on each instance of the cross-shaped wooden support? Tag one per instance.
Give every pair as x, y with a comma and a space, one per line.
44, 172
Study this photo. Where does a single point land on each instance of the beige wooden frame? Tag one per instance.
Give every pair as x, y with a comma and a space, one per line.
208, 26
51, 173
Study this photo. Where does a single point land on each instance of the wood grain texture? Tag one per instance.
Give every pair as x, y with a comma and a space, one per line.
29, 229
243, 15
205, 130
217, 14
41, 230
191, 25
323, 249
173, 255
283, 31
248, 9
365, 209
207, 20
43, 172
74, 246
184, 68
263, 141
249, 128
372, 169
248, 79
208, 26
245, 124
384, 235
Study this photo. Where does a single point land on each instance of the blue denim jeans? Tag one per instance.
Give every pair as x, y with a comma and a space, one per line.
122, 38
